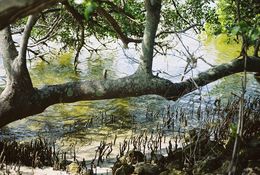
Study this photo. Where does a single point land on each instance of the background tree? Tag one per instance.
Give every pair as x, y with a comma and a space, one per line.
55, 21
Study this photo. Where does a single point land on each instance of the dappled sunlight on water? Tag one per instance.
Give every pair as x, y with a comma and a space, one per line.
94, 120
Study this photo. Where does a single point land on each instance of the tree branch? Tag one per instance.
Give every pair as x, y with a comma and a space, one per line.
179, 14
131, 86
81, 42
117, 9
25, 38
11, 10
37, 54
79, 17
214, 74
178, 31
137, 85
116, 27
51, 32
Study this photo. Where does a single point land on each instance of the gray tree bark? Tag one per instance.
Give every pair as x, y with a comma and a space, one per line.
153, 9
20, 99
11, 10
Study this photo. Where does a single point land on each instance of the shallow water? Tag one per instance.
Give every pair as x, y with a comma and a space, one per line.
91, 120
83, 125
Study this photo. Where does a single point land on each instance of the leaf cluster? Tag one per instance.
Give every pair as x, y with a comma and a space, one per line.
215, 17
237, 18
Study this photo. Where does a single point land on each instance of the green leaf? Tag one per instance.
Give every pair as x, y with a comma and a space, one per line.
254, 34
235, 30
90, 7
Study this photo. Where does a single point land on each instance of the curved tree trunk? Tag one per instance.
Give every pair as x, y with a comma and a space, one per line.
20, 99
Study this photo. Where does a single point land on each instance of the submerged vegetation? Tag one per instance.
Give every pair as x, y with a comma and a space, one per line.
143, 121
172, 147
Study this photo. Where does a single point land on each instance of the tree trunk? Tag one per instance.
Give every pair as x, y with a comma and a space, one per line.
20, 99
24, 105
153, 9
15, 100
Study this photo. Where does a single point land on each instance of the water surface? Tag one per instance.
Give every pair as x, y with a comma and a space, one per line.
93, 119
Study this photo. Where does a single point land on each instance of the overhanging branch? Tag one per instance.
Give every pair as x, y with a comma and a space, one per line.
116, 27
117, 9
132, 86
213, 74
11, 10
178, 31
137, 85
79, 17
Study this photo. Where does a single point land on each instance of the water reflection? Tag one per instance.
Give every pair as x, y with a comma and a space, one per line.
96, 119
